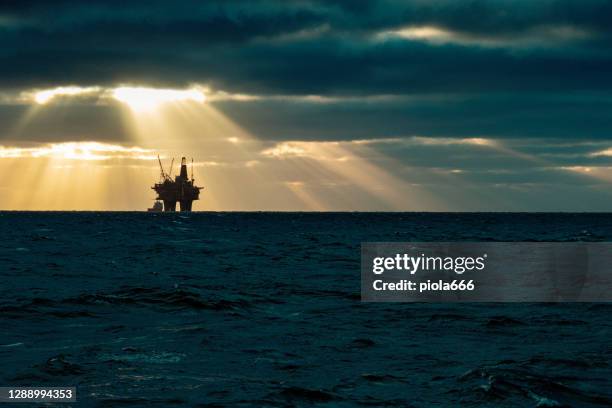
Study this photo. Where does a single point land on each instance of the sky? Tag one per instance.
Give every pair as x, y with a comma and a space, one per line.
353, 105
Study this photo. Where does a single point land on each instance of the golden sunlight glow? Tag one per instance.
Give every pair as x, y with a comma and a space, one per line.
309, 200
578, 169
602, 173
606, 152
233, 164
76, 176
419, 33
289, 149
424, 33
44, 96
543, 35
230, 162
351, 163
147, 99
78, 151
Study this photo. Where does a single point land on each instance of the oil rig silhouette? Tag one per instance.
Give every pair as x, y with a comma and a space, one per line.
182, 189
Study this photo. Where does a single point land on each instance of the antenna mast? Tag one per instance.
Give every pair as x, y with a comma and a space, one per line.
192, 169
171, 167
161, 168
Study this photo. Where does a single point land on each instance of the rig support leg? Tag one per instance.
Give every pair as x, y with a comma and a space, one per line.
169, 205
185, 205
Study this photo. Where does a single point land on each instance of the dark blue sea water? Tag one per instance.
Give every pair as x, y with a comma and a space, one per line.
263, 309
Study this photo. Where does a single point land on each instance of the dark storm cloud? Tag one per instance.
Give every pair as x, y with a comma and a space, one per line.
506, 116
61, 123
273, 47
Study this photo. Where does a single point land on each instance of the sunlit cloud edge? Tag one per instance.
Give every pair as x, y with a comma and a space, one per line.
87, 151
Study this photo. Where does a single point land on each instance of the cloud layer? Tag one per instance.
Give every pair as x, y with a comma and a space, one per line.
509, 97
310, 47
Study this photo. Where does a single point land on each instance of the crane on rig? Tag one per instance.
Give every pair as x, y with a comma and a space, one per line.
163, 175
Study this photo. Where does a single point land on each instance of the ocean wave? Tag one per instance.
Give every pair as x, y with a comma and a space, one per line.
242, 309
524, 382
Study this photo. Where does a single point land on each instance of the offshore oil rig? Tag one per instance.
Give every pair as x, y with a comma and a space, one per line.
182, 189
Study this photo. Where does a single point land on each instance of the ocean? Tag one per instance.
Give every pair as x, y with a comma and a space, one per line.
263, 309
